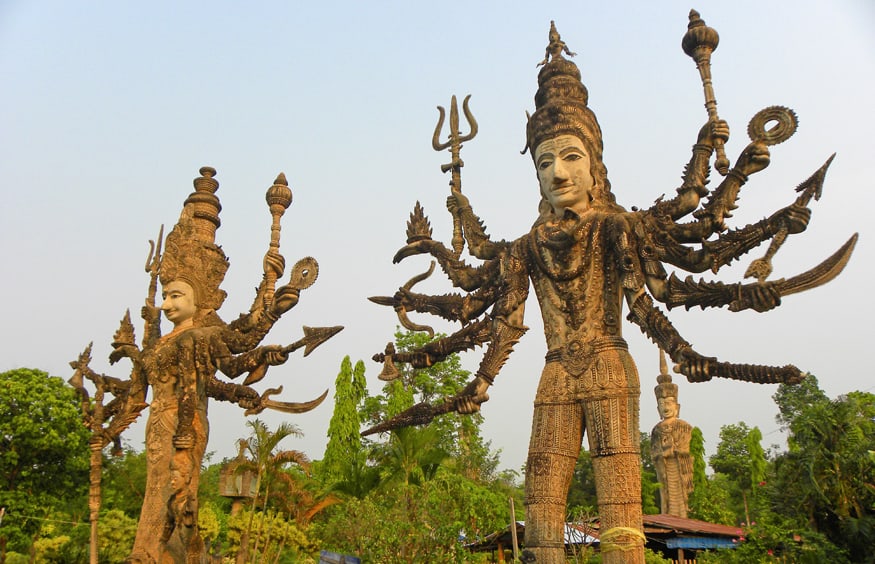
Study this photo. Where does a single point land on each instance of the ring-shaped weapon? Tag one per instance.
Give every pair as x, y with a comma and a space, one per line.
785, 124
304, 273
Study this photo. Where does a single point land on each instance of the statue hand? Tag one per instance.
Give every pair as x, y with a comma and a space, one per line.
713, 131
694, 366
472, 396
285, 298
794, 217
754, 158
183, 441
274, 355
150, 313
274, 263
456, 201
758, 297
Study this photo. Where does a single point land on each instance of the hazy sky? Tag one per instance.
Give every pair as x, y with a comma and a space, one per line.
108, 110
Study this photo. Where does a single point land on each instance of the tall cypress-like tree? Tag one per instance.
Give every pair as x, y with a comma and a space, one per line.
344, 443
697, 451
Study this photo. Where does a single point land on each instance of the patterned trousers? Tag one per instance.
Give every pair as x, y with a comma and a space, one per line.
602, 400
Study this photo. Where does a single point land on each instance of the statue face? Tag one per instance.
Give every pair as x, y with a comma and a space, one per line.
668, 407
178, 305
563, 166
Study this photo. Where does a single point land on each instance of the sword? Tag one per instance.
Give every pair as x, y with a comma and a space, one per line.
285, 406
820, 274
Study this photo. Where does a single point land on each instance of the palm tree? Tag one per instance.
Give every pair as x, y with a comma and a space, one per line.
412, 456
267, 465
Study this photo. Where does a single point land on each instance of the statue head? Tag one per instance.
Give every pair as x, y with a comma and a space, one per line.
180, 302
666, 392
564, 173
193, 265
562, 113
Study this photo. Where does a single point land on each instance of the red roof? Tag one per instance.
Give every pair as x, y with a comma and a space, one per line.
689, 526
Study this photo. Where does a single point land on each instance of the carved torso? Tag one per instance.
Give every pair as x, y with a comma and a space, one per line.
575, 274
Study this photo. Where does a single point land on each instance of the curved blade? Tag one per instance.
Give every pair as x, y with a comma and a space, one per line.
820, 274
292, 407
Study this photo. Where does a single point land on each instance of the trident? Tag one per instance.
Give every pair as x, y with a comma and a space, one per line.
699, 42
455, 145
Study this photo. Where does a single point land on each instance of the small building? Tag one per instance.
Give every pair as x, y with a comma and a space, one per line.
676, 538
679, 538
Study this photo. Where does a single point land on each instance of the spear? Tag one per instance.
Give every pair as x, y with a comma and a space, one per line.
313, 337
699, 42
455, 165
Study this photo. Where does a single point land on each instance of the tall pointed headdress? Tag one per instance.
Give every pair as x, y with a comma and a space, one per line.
665, 388
191, 253
561, 108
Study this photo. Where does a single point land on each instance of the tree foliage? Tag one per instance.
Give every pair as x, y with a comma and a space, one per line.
44, 456
827, 477
344, 442
457, 435
416, 523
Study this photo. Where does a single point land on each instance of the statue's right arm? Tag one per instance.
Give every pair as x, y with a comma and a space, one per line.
507, 329
479, 243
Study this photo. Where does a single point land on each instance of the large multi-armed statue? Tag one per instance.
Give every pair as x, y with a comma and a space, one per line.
181, 367
584, 256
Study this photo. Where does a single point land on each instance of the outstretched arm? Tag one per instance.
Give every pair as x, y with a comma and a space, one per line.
694, 366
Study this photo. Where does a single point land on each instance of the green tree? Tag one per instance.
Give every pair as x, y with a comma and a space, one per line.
458, 435
44, 456
411, 456
344, 441
697, 452
267, 463
413, 523
649, 483
116, 532
826, 478
123, 482
581, 497
793, 399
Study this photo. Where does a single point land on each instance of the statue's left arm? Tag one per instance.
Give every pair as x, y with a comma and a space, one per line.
653, 322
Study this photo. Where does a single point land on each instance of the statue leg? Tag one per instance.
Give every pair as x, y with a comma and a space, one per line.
611, 392
557, 431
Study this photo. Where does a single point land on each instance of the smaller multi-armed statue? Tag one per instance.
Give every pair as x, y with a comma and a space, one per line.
181, 367
584, 256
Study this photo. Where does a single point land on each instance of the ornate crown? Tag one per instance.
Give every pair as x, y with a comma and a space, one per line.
191, 254
561, 108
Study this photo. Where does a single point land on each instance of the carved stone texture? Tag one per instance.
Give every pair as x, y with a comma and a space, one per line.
670, 447
181, 367
584, 256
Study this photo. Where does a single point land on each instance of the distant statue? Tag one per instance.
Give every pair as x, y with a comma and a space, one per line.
670, 447
586, 257
181, 366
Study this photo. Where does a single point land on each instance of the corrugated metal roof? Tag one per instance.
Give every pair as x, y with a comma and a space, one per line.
694, 526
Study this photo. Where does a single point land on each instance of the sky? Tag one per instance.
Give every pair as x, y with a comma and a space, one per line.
108, 110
